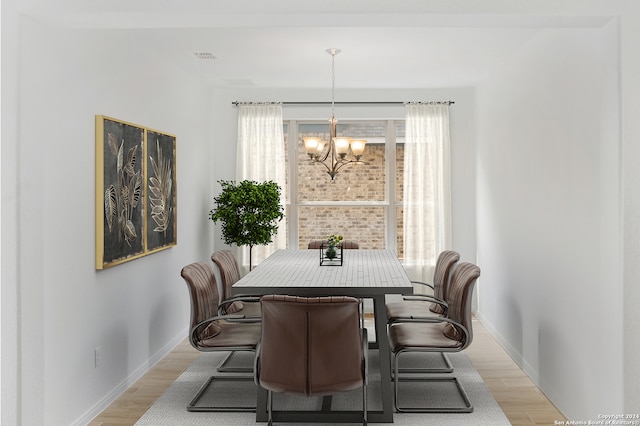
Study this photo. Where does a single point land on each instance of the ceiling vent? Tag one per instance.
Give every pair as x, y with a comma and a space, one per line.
204, 55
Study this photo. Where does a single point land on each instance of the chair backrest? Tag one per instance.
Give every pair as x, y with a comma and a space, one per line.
463, 279
203, 291
310, 346
346, 244
229, 270
445, 262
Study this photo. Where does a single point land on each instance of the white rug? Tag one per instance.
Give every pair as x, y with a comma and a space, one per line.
170, 409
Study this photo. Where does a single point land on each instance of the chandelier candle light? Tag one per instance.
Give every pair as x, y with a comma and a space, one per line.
338, 147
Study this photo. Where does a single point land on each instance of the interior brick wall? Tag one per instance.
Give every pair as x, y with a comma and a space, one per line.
354, 182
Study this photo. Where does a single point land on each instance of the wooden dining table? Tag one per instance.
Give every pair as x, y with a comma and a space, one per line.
367, 274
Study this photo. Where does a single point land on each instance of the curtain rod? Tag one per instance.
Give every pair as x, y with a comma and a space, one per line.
236, 103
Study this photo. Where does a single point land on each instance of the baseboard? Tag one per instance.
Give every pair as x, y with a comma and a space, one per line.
517, 357
510, 350
99, 407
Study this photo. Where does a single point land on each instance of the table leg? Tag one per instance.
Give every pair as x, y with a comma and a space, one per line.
386, 384
261, 405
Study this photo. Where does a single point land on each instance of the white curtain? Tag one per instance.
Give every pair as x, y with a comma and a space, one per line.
427, 188
261, 157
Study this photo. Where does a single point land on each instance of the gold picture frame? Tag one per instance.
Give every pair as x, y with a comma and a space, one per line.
136, 200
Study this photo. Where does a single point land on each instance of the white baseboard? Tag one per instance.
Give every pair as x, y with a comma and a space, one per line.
510, 350
517, 357
99, 407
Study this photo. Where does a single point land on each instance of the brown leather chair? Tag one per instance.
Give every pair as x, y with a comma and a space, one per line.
312, 347
230, 274
428, 305
453, 333
437, 303
346, 244
211, 332
248, 306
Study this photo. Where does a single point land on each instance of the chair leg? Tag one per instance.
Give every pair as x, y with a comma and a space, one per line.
195, 408
468, 407
222, 367
447, 369
364, 405
270, 407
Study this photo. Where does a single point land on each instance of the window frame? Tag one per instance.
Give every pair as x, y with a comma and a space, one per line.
390, 204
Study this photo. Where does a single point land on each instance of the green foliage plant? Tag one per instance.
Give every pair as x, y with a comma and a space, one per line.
249, 212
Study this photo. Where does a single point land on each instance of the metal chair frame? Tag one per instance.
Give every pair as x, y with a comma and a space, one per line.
462, 283
448, 368
468, 407
233, 376
205, 298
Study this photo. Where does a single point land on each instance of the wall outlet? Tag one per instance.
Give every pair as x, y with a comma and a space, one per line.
97, 357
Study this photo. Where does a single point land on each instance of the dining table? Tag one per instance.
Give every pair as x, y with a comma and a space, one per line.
364, 274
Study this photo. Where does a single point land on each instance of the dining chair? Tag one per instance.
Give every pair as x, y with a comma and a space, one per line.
210, 332
346, 244
230, 274
428, 305
312, 346
453, 333
248, 306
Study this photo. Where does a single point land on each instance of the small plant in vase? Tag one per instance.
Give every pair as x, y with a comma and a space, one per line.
333, 240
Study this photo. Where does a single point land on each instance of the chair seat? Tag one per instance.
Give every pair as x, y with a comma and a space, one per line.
410, 309
420, 335
233, 335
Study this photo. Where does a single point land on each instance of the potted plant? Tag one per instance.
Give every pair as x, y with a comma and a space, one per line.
332, 241
331, 251
249, 212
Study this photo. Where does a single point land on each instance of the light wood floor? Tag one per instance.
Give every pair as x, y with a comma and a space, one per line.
522, 402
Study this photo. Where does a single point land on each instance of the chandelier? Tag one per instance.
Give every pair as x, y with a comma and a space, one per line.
333, 155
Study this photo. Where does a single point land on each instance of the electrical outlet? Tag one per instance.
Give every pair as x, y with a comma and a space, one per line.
97, 356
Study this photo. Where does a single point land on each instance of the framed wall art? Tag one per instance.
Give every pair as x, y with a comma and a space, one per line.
161, 190
135, 191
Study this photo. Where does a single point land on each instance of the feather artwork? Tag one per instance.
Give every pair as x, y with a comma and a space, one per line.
110, 206
120, 159
113, 143
129, 232
121, 198
129, 167
135, 189
160, 186
124, 197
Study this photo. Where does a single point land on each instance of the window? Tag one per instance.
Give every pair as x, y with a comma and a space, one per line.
364, 202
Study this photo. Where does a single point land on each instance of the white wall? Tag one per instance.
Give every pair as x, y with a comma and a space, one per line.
549, 216
136, 311
630, 102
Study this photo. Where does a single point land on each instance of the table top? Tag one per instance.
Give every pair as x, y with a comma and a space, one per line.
363, 273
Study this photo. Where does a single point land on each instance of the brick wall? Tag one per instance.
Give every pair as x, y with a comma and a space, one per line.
365, 225
354, 182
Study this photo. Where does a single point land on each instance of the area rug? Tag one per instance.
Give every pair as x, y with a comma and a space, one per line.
170, 409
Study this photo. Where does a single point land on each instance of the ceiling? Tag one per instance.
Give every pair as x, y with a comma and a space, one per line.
282, 43
370, 57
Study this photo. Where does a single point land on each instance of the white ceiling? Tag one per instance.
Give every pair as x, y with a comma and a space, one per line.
370, 57
282, 43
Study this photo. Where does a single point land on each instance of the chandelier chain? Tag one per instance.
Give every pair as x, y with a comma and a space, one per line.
333, 82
